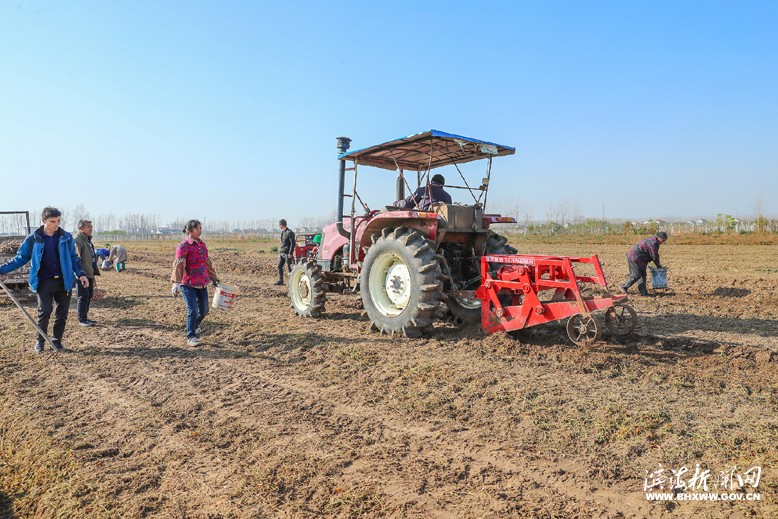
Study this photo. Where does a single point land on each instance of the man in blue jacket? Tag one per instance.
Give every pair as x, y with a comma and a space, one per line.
54, 263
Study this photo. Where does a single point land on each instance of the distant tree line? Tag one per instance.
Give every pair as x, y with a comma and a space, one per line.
563, 217
146, 224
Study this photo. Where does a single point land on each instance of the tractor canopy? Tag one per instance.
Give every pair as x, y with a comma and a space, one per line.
425, 151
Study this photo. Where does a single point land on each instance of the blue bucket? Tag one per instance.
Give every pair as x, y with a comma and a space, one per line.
659, 278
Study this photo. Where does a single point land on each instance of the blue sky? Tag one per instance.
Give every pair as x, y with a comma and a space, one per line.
230, 110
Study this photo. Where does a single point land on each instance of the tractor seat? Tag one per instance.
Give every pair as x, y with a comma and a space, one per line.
462, 218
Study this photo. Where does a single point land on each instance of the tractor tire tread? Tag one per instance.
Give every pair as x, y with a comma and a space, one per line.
422, 259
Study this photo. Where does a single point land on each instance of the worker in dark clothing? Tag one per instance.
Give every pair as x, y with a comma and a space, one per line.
425, 196
638, 257
285, 251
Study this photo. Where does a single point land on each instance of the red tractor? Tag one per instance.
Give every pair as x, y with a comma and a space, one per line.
412, 266
306, 246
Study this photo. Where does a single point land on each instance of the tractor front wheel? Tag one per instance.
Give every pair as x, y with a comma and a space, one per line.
307, 289
400, 284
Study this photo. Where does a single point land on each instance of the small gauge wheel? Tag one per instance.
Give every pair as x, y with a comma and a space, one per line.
583, 329
621, 320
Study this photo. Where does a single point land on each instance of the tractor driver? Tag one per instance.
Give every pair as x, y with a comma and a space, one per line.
425, 196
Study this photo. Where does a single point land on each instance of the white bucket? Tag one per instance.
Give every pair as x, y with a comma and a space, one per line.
225, 296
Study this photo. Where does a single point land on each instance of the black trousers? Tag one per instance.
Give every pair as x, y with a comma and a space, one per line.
284, 258
85, 299
636, 273
52, 296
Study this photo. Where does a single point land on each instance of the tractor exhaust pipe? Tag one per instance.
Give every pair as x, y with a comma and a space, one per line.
343, 146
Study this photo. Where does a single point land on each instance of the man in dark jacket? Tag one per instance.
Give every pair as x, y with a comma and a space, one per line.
285, 251
638, 257
54, 261
425, 196
86, 251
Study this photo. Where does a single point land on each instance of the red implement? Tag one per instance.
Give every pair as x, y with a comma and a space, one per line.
522, 290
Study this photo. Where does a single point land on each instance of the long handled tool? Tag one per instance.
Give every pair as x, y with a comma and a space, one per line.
29, 317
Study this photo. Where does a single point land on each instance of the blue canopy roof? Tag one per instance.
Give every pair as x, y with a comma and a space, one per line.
427, 150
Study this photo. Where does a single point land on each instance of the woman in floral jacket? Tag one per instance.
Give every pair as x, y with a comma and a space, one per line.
192, 271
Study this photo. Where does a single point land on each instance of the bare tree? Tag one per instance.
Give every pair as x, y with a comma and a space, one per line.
526, 215
105, 222
552, 214
77, 214
759, 205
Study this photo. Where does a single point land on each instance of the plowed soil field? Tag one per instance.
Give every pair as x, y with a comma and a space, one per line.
278, 416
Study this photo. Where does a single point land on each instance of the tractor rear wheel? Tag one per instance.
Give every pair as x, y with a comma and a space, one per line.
307, 289
496, 244
400, 284
466, 310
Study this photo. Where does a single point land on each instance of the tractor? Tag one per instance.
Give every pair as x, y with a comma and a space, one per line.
413, 266
410, 266
306, 246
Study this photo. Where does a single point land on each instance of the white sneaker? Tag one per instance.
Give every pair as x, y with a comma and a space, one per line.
192, 341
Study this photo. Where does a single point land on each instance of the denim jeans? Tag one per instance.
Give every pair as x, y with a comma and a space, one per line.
84, 299
196, 300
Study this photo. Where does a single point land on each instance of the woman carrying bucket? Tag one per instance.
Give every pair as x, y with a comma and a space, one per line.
192, 271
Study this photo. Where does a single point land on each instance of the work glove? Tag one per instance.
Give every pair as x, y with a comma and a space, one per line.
175, 289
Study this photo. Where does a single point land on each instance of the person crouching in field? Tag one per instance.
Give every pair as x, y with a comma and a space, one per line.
638, 257
118, 257
54, 262
192, 271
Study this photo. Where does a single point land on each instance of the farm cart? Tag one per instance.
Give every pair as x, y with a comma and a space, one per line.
410, 266
9, 244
